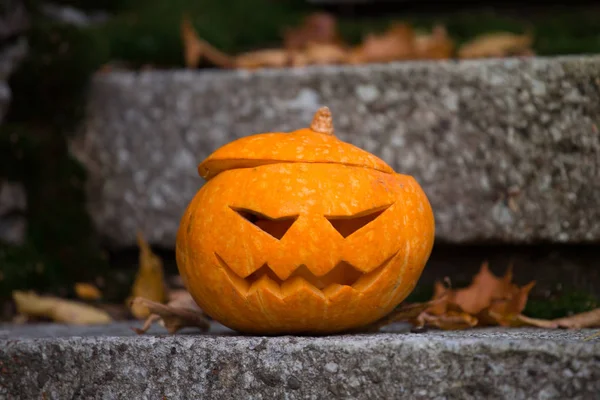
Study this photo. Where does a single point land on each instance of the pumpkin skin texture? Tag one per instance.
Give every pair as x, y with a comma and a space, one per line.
302, 233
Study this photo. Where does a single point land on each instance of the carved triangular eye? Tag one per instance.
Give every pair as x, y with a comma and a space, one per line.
274, 227
347, 225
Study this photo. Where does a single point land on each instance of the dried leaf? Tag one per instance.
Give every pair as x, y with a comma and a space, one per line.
522, 320
435, 46
451, 320
149, 282
322, 54
317, 28
502, 311
443, 296
87, 291
484, 289
195, 48
397, 43
588, 319
499, 44
181, 312
192, 45
405, 313
59, 310
274, 58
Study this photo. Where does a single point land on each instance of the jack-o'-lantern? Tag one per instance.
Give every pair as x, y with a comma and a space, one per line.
301, 232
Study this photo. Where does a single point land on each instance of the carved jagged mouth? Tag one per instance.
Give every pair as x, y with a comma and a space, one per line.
343, 274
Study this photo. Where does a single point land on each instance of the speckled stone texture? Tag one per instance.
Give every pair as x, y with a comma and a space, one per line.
477, 364
507, 150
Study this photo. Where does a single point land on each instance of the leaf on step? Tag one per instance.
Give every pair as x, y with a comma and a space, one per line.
180, 312
499, 44
522, 320
87, 291
267, 58
316, 28
488, 300
319, 54
588, 319
502, 311
405, 313
451, 320
397, 43
192, 45
149, 282
196, 49
485, 288
434, 46
58, 310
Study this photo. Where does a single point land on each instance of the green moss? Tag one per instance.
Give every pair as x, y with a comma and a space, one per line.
559, 305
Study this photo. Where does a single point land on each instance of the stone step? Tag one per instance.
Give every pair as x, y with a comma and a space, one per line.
50, 362
507, 150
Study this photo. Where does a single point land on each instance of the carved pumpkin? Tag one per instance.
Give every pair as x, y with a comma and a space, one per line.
302, 233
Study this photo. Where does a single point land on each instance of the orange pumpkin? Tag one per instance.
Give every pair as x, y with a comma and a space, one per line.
302, 233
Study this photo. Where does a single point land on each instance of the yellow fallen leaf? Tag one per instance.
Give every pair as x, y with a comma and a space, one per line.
149, 282
319, 28
588, 319
434, 46
397, 43
181, 312
325, 53
87, 291
59, 310
499, 44
267, 58
195, 48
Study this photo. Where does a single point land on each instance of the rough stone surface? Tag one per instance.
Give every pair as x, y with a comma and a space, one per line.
13, 202
14, 18
10, 57
489, 363
72, 15
507, 150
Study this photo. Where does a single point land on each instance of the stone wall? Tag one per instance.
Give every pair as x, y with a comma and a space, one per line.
507, 150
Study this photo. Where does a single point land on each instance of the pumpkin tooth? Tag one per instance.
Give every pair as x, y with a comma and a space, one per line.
262, 283
240, 284
335, 289
343, 275
297, 284
367, 279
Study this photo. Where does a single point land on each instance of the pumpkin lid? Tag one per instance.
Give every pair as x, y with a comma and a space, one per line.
316, 144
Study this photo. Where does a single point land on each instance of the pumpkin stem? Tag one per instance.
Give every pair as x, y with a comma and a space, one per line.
322, 121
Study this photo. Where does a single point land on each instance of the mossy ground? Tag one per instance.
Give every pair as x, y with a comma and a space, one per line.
50, 85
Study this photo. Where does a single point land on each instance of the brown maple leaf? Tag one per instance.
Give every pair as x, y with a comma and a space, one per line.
196, 48
434, 46
317, 28
397, 43
498, 44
